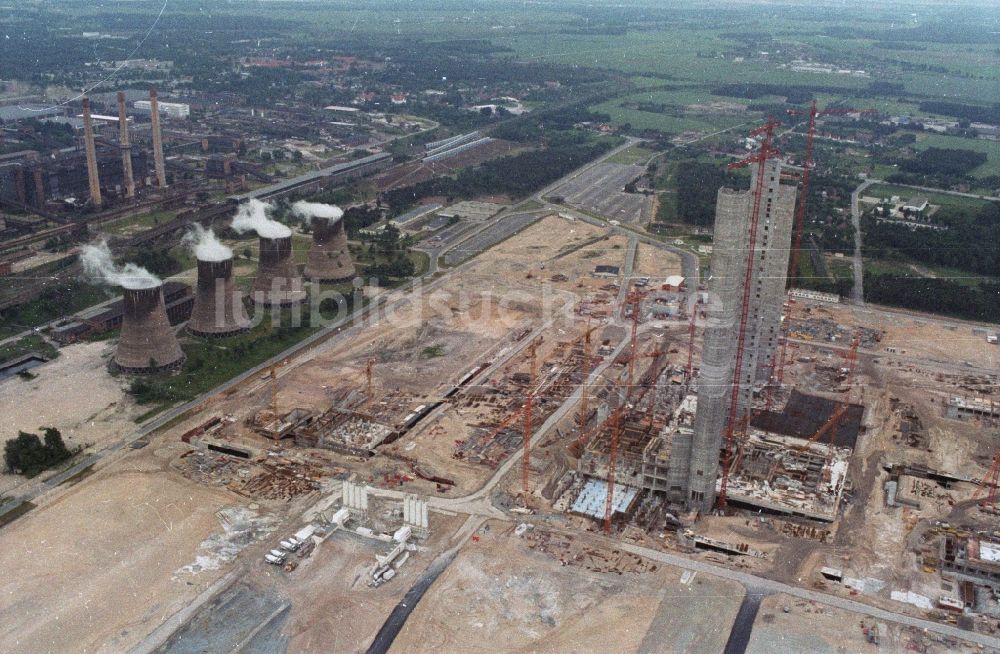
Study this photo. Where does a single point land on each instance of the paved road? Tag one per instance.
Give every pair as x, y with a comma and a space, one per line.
626, 276
540, 195
394, 623
858, 290
739, 635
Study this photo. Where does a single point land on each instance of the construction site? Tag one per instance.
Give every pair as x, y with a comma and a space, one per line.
570, 436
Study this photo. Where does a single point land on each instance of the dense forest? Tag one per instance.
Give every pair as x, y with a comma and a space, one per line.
944, 161
697, 187
970, 112
935, 296
516, 176
969, 243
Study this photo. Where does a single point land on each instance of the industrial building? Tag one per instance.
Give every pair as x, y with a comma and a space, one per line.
694, 457
172, 109
108, 166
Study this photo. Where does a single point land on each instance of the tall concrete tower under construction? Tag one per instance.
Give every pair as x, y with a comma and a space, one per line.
694, 460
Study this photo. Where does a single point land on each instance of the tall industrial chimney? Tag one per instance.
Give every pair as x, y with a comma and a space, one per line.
154, 112
88, 142
329, 259
218, 306
126, 147
147, 342
278, 282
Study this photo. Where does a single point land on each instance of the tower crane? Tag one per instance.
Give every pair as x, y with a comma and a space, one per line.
370, 381
808, 164
528, 407
635, 300
766, 152
585, 388
800, 216
833, 422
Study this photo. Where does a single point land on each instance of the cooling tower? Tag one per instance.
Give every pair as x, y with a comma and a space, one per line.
329, 259
278, 282
147, 343
218, 306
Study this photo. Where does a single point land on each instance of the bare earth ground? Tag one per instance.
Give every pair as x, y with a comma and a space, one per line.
499, 595
73, 393
809, 628
926, 338
507, 290
655, 263
96, 569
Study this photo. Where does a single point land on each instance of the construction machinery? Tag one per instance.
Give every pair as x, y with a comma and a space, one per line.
989, 484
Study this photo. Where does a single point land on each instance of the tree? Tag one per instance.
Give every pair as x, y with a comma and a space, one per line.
22, 453
54, 444
28, 455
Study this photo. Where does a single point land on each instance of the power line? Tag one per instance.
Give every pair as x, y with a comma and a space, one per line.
112, 75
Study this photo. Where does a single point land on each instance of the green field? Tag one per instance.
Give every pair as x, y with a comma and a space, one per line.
634, 155
944, 199
138, 223
26, 345
919, 270
665, 123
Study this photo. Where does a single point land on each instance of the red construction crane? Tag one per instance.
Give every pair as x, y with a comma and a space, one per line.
528, 406
615, 420
635, 300
689, 371
833, 422
800, 214
766, 152
778, 368
369, 378
807, 166
584, 389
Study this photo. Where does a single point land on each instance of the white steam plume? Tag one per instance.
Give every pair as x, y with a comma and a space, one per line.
206, 245
98, 265
252, 217
311, 211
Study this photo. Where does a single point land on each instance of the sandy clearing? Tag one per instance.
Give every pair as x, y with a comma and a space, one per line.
73, 393
94, 570
498, 595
